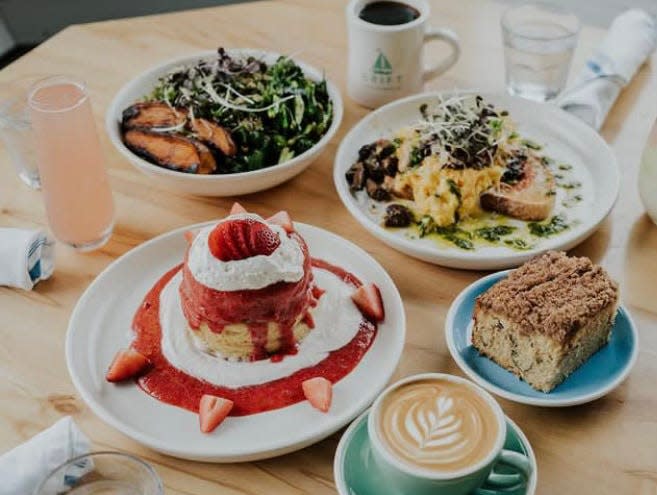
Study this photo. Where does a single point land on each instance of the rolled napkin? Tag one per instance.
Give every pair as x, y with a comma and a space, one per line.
26, 256
631, 39
24, 468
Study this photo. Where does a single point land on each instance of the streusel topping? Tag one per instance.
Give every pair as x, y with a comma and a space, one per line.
552, 294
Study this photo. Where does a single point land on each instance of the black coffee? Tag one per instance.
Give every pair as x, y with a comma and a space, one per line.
388, 13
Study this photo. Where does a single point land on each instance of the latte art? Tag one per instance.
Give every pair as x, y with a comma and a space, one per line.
438, 425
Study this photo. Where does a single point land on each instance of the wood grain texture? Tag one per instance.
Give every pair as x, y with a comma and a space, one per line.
606, 447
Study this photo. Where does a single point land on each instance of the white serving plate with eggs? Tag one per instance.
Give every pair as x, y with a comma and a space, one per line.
563, 137
101, 324
220, 184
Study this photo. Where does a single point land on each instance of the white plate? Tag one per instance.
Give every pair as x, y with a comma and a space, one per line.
565, 138
101, 324
215, 185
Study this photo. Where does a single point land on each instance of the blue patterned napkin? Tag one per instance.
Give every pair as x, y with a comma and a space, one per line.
25, 468
26, 256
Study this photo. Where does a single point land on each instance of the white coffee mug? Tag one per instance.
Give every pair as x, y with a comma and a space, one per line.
385, 61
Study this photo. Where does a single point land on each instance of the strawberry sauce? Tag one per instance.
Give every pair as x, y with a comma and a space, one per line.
217, 309
173, 386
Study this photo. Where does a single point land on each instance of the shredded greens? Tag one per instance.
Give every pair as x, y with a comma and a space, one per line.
554, 225
494, 233
459, 237
273, 112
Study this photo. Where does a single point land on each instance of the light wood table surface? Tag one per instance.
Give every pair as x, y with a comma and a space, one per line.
606, 447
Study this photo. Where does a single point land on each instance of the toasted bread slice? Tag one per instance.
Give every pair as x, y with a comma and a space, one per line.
528, 195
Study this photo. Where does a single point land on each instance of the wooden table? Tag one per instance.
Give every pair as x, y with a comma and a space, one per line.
606, 447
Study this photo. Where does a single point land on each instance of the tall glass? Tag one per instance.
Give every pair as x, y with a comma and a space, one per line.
71, 166
648, 175
539, 40
16, 130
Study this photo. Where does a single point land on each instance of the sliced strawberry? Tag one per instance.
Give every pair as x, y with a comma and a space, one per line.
221, 241
263, 240
212, 410
253, 242
319, 392
190, 235
127, 363
232, 242
242, 238
368, 299
239, 233
283, 219
237, 208
216, 244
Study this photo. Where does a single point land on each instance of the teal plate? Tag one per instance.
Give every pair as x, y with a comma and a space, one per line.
356, 473
598, 376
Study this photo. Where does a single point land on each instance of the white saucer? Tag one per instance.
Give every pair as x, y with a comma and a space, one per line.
101, 324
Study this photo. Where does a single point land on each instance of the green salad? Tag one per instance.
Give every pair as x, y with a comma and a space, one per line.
272, 111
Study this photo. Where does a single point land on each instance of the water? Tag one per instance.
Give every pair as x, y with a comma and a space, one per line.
18, 139
538, 56
106, 487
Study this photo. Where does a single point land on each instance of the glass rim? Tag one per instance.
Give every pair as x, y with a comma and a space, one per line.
557, 9
51, 81
109, 453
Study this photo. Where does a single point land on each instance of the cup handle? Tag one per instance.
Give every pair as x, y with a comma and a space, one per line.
449, 37
498, 483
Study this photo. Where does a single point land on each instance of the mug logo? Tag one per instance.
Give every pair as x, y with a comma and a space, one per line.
382, 65
381, 74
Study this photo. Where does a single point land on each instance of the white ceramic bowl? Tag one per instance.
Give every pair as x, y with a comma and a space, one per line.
566, 138
214, 185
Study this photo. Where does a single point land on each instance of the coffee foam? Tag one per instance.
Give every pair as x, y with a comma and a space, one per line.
438, 425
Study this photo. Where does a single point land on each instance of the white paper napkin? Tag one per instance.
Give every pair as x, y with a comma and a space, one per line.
26, 256
25, 467
631, 39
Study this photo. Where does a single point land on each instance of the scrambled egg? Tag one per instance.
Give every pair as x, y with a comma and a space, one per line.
446, 195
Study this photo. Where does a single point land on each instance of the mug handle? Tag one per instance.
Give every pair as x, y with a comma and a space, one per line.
498, 483
449, 37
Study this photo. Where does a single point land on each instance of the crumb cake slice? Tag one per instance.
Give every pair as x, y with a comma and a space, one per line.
546, 318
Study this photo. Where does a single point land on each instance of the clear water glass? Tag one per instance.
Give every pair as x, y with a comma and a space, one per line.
16, 131
539, 41
102, 473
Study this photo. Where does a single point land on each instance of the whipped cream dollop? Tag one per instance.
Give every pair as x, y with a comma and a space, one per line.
285, 264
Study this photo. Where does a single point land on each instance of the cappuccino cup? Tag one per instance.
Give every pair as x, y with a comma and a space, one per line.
386, 40
438, 433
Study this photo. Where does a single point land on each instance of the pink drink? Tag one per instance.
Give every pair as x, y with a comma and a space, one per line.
72, 169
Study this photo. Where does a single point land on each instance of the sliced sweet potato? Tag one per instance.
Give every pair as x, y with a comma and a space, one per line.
214, 135
170, 151
152, 115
